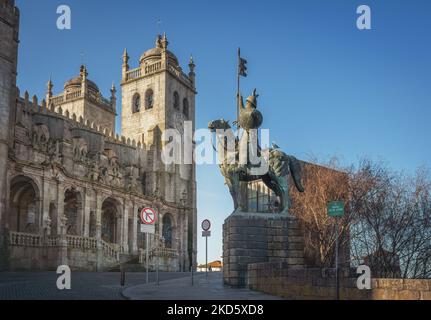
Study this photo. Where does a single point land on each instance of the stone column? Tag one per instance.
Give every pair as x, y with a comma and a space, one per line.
135, 229
86, 210
119, 229
61, 224
126, 227
185, 240
44, 206
60, 206
98, 217
99, 232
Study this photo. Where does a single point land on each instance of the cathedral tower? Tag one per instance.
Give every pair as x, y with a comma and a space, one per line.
9, 28
157, 95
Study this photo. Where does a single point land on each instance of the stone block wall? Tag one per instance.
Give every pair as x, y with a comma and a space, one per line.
312, 284
251, 238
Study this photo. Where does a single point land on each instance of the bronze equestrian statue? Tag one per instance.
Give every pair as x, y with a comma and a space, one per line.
280, 165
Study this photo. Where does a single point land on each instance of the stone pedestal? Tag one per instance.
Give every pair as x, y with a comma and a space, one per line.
259, 237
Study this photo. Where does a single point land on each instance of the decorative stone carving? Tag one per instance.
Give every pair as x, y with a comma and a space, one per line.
80, 149
40, 137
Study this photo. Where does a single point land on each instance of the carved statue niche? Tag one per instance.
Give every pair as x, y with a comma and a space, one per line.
80, 149
103, 165
40, 137
93, 167
132, 178
114, 168
54, 152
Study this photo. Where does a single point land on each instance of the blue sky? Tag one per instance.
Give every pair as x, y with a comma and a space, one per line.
326, 88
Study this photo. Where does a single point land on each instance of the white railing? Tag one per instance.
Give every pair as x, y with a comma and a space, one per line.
24, 239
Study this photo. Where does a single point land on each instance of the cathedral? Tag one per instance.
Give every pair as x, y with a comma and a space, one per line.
71, 188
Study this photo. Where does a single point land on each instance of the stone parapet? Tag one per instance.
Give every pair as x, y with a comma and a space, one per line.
316, 284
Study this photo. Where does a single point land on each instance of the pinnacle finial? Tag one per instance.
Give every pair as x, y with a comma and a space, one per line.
192, 65
159, 41
164, 41
50, 84
83, 71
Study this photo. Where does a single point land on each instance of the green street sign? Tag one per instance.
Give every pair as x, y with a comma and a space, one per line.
335, 208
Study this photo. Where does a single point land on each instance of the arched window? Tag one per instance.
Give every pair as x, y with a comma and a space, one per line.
136, 103
176, 101
167, 230
186, 107
149, 99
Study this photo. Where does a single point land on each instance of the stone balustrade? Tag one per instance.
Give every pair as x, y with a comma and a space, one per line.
111, 250
66, 97
81, 242
144, 71
52, 241
73, 95
153, 68
24, 239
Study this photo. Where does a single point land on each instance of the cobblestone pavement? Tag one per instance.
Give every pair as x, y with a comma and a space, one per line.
85, 285
204, 288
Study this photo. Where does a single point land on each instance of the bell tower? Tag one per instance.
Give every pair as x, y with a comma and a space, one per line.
157, 95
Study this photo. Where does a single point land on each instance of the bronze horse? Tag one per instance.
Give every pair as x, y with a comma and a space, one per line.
276, 177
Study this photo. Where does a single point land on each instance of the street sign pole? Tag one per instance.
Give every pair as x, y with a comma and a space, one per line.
206, 257
158, 259
337, 279
336, 210
148, 217
206, 226
146, 255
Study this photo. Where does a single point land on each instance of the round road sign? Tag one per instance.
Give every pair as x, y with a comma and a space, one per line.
206, 225
148, 216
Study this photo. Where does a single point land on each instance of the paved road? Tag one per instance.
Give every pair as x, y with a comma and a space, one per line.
85, 285
210, 288
106, 286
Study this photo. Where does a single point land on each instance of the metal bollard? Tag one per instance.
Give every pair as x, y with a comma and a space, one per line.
191, 269
122, 276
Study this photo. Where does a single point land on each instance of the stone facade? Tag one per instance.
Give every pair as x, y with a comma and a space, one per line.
259, 237
314, 284
71, 188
